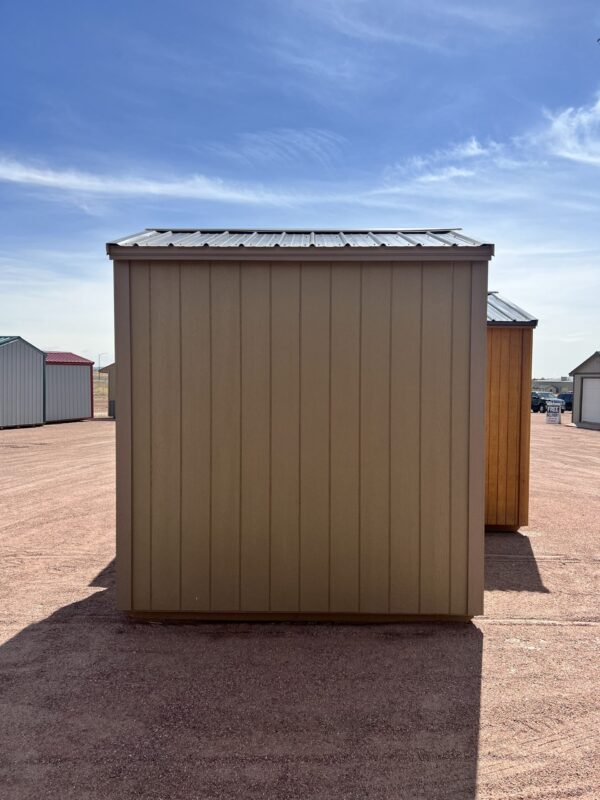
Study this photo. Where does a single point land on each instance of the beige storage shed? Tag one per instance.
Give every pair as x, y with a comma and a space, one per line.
586, 393
111, 371
508, 414
301, 423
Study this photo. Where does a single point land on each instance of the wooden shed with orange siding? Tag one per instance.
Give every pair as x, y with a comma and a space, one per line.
508, 414
268, 466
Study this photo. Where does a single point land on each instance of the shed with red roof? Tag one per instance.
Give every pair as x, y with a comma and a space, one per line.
68, 387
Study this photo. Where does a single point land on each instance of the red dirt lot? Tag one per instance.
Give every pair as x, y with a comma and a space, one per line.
94, 706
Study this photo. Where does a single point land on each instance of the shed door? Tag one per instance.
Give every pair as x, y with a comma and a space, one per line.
590, 400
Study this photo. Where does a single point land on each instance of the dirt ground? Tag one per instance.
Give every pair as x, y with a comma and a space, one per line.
93, 706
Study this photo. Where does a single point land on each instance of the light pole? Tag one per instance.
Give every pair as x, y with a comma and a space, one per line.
99, 358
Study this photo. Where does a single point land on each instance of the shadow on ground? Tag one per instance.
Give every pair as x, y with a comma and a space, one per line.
510, 564
94, 706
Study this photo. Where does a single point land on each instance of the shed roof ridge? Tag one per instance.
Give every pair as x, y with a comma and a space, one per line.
306, 229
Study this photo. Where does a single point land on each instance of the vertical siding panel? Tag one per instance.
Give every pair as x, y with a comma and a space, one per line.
285, 439
513, 391
525, 425
195, 439
493, 424
22, 397
577, 387
226, 417
404, 438
375, 439
141, 430
314, 442
123, 330
459, 464
166, 429
256, 473
488, 409
503, 414
68, 392
345, 410
9, 376
435, 438
476, 440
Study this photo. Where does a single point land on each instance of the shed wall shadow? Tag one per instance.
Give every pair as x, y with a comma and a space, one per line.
95, 706
510, 564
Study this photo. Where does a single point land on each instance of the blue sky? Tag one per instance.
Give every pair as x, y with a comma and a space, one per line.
353, 113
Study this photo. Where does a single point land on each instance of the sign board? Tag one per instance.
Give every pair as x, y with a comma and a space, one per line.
553, 412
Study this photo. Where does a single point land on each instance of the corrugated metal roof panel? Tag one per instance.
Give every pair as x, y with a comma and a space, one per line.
7, 339
161, 237
502, 312
66, 358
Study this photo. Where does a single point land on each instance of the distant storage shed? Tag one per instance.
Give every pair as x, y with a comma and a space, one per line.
21, 383
508, 417
268, 463
586, 393
111, 371
69, 388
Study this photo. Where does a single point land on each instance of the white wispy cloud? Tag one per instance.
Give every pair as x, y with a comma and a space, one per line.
528, 168
362, 20
320, 62
434, 25
536, 195
574, 133
195, 187
282, 146
444, 174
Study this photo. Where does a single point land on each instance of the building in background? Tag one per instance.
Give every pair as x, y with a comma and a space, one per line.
554, 385
586, 393
21, 383
68, 387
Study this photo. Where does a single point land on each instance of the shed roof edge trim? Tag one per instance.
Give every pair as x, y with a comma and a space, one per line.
413, 254
513, 324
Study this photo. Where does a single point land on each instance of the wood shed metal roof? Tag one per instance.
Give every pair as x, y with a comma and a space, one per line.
503, 312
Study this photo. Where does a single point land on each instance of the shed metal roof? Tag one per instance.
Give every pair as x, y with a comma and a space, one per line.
501, 311
66, 358
297, 238
8, 339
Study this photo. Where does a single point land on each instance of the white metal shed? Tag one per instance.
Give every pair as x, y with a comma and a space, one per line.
586, 393
68, 387
21, 383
